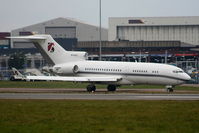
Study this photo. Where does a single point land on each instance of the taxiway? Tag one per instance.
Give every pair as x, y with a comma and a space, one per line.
125, 96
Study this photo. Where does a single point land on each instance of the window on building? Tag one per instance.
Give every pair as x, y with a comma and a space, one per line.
136, 21
25, 33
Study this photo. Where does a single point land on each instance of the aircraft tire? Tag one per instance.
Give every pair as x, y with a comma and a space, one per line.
111, 88
91, 88
170, 89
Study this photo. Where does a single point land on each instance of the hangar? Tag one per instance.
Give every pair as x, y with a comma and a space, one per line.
182, 29
156, 36
63, 30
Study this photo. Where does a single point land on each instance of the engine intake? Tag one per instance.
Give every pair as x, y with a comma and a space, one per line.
66, 69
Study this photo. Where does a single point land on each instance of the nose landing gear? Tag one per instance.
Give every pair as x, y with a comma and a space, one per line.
169, 88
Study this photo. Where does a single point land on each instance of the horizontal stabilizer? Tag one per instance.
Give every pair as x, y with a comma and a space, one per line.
28, 37
52, 52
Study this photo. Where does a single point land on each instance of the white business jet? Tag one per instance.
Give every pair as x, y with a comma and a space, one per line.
74, 66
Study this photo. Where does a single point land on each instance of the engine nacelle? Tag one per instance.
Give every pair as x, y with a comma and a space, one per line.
67, 69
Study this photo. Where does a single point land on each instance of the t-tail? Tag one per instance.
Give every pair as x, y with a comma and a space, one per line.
52, 51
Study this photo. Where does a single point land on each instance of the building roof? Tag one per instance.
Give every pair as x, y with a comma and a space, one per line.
186, 20
73, 20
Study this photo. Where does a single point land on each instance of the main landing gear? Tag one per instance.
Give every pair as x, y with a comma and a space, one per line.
111, 88
92, 88
169, 88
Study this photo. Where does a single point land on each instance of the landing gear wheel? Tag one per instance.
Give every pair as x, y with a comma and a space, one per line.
111, 88
169, 88
91, 88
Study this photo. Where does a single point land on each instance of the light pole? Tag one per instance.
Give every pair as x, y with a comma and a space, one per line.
140, 59
166, 54
100, 31
146, 58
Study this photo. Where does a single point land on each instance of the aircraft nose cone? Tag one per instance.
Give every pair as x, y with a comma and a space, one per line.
187, 77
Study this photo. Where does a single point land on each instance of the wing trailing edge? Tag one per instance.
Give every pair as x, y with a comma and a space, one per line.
74, 79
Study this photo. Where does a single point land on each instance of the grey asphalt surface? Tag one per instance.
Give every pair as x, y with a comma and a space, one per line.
93, 96
83, 90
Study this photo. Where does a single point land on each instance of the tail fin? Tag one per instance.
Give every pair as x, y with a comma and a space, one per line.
16, 72
52, 51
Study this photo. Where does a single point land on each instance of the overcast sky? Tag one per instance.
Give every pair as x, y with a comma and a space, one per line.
19, 13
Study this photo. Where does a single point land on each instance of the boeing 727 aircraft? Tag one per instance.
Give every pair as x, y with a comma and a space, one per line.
73, 66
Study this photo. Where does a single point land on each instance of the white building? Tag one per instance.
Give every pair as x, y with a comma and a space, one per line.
183, 29
64, 28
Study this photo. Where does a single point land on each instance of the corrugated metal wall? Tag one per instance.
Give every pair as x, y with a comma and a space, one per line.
23, 45
61, 32
186, 34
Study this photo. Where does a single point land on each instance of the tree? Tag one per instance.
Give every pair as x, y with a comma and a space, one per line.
17, 60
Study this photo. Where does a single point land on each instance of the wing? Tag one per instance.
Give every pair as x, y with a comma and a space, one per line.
75, 79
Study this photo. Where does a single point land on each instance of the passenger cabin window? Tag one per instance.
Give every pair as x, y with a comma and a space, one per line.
102, 69
140, 71
155, 71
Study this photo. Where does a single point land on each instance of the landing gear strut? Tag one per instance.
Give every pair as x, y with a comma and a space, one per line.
111, 87
91, 88
169, 88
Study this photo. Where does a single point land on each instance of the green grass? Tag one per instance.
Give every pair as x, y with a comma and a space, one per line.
65, 116
43, 84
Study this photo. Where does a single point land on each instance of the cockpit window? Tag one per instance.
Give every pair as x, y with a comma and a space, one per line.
176, 71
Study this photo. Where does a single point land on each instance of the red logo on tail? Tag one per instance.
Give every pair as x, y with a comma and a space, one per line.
51, 47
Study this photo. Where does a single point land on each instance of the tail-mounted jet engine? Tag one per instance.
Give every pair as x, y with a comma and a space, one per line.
69, 69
